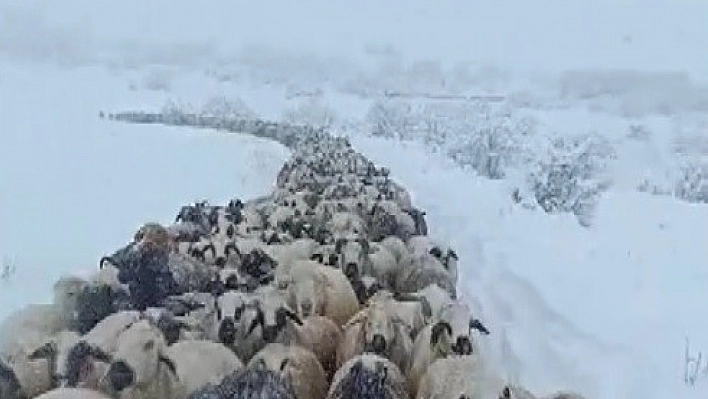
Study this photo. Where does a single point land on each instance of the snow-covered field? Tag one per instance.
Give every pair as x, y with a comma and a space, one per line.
604, 309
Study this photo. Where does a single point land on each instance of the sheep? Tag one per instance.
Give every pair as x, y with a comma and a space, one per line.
257, 382
344, 224
140, 368
459, 377
368, 376
376, 329
28, 377
416, 272
386, 218
316, 289
300, 366
396, 246
321, 336
235, 314
72, 393
10, 387
201, 362
421, 245
415, 312
436, 298
449, 335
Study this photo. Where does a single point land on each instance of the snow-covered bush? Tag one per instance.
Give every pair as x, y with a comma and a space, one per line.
487, 138
227, 108
311, 111
695, 366
569, 178
692, 182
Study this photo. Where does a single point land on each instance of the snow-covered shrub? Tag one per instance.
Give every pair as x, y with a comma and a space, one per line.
389, 118
568, 178
227, 108
475, 134
695, 366
312, 112
692, 183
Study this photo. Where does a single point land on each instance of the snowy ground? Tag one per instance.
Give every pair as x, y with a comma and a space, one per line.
604, 310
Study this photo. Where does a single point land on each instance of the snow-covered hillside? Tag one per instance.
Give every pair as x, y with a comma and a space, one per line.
604, 309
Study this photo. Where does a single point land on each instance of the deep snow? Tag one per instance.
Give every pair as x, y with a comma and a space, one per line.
603, 310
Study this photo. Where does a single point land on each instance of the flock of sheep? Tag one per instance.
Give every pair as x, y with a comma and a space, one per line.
329, 287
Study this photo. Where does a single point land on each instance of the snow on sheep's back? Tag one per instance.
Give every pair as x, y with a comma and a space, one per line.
74, 187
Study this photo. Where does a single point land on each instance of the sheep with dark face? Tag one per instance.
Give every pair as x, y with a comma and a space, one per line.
376, 329
368, 376
235, 314
450, 335
140, 368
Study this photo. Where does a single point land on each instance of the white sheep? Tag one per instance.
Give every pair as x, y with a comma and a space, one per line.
421, 245
450, 335
140, 368
416, 272
436, 297
368, 376
459, 377
235, 314
201, 362
316, 289
377, 329
299, 365
396, 246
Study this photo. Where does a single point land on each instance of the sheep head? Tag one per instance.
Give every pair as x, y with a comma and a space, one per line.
379, 328
139, 357
273, 315
458, 316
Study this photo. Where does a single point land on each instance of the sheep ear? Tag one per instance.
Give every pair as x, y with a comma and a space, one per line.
292, 315
100, 355
284, 364
256, 321
438, 329
477, 325
356, 319
168, 362
46, 351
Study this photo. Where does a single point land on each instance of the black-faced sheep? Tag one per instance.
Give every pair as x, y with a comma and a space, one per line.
298, 365
376, 329
368, 376
140, 368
